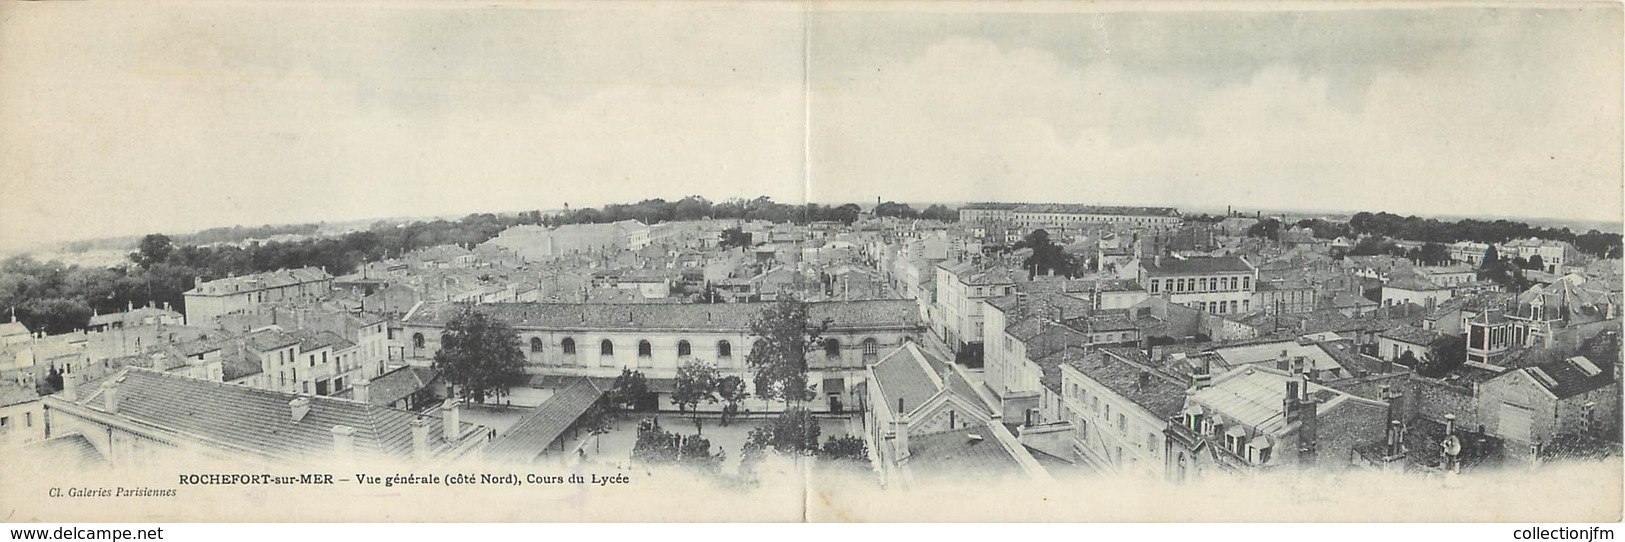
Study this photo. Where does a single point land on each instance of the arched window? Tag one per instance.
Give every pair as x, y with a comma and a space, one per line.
417, 340
606, 348
724, 350
832, 348
908, 339
535, 344
683, 349
568, 345
871, 349
645, 349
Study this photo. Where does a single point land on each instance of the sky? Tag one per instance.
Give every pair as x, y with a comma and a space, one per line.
162, 116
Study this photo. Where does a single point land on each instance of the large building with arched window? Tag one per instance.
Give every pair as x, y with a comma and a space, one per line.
558, 339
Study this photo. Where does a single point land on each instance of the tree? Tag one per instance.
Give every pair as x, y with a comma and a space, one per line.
480, 355
1047, 256
630, 391
696, 383
656, 446
940, 213
1268, 228
734, 237
154, 248
731, 391
1536, 263
52, 382
847, 447
779, 358
1445, 355
596, 421
792, 432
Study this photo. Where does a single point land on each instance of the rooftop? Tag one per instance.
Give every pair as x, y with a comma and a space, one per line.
730, 317
258, 422
261, 281
1197, 265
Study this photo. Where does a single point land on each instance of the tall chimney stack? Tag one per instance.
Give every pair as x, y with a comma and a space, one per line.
70, 387
420, 437
110, 395
361, 391
451, 419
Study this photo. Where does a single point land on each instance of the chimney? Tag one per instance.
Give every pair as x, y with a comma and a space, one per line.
900, 428
1308, 431
110, 395
420, 437
300, 406
343, 440
1395, 430
1449, 424
451, 419
1290, 400
1200, 378
1145, 379
70, 387
360, 392
1281, 362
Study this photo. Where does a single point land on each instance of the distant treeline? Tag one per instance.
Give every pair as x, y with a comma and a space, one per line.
654, 211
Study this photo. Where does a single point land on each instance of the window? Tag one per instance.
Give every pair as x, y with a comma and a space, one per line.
313, 360
1122, 422
1246, 283
536, 344
645, 349
832, 348
568, 345
606, 348
683, 349
324, 358
1151, 441
1154, 284
871, 349
417, 340
28, 419
724, 349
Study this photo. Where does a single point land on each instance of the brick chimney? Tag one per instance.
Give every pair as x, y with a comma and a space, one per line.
360, 391
451, 419
299, 407
343, 440
110, 393
420, 437
1308, 430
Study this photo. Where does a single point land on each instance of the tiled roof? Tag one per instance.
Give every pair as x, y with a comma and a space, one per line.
395, 385
733, 317
531, 436
1572, 376
1116, 369
71, 452
1080, 209
259, 422
1197, 265
1413, 335
955, 454
261, 281
1412, 283
905, 374
12, 393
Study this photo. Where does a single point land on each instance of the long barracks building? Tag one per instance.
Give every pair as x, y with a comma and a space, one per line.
1035, 215
598, 340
